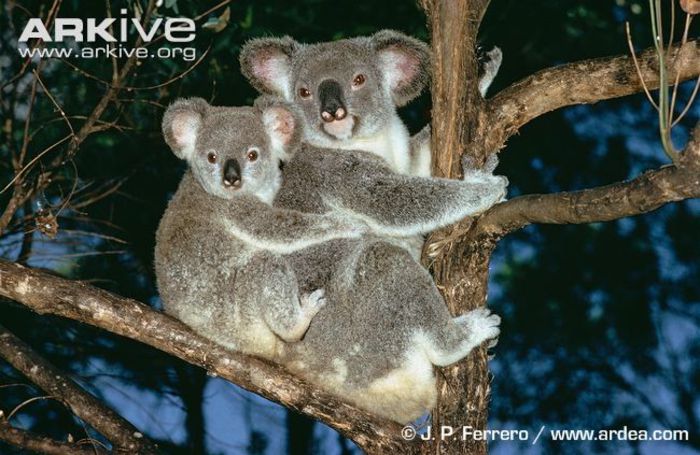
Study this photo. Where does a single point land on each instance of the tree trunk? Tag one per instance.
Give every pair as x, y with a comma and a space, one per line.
460, 267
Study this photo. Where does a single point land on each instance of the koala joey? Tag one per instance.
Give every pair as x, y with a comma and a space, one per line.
348, 90
220, 245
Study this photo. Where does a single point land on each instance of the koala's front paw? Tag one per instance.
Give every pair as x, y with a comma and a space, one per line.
312, 303
502, 187
493, 187
481, 325
489, 63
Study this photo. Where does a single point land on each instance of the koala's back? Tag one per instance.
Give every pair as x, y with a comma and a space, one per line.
312, 168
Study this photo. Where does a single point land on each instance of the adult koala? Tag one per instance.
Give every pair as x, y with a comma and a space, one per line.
387, 326
348, 90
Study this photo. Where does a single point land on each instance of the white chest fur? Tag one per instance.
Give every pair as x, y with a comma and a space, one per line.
391, 144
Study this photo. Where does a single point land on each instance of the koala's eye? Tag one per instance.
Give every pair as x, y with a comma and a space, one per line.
304, 92
252, 155
359, 80
211, 157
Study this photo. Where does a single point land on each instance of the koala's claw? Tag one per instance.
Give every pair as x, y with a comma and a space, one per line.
489, 62
481, 325
313, 302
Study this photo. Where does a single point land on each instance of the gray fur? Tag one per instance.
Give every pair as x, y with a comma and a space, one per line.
488, 69
219, 246
387, 327
396, 69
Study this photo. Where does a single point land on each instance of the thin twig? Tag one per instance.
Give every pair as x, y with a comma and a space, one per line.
690, 103
638, 68
55, 103
684, 40
34, 160
26, 402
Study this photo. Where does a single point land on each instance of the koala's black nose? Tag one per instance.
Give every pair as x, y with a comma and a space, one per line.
232, 173
330, 94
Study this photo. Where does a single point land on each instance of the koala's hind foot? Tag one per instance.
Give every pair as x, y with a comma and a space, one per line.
461, 336
296, 322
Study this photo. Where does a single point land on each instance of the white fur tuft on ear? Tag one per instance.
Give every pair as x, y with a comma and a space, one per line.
266, 63
282, 129
274, 70
399, 68
404, 63
185, 127
181, 123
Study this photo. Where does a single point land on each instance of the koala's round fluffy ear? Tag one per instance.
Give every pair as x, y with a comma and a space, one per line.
181, 123
267, 64
404, 62
282, 125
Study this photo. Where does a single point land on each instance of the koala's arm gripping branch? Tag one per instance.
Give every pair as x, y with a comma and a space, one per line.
399, 205
283, 231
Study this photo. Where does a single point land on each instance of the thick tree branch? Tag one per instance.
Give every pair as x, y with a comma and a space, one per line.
643, 194
124, 437
48, 294
41, 444
582, 82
